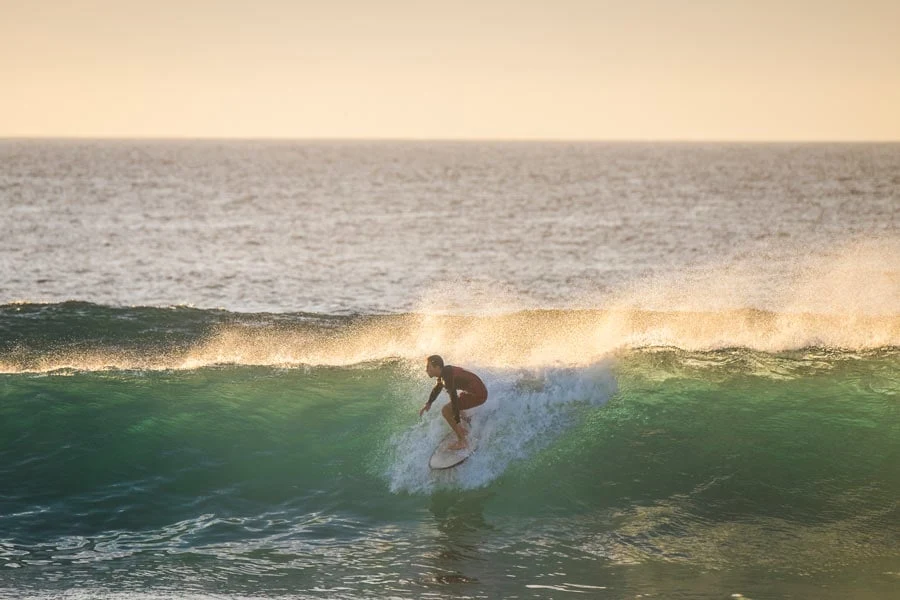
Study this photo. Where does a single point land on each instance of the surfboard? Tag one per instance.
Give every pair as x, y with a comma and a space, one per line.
444, 458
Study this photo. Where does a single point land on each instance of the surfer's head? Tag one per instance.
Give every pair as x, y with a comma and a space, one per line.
433, 365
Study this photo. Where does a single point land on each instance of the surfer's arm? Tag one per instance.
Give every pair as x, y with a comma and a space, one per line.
434, 393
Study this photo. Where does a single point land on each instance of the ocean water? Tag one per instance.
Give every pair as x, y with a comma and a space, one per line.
212, 360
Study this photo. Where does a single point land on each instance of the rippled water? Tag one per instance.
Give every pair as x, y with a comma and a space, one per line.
361, 227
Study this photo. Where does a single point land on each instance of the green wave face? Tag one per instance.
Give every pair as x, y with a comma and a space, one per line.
187, 453
657, 464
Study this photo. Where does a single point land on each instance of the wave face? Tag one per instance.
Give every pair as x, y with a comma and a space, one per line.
151, 452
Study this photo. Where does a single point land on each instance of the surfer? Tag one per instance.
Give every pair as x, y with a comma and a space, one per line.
466, 391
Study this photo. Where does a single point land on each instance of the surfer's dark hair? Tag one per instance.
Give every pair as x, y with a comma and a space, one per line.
436, 361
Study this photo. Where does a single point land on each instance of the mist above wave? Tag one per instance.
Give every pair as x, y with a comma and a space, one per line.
848, 299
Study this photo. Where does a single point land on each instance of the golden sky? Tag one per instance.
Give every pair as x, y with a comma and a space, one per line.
496, 69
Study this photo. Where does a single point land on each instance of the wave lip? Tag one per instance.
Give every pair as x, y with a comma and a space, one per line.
163, 339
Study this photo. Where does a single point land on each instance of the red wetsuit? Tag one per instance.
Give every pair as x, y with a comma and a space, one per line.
465, 388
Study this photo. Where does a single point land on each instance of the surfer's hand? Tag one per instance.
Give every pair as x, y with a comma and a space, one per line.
424, 410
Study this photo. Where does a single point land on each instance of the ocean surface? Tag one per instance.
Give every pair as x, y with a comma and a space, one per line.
212, 361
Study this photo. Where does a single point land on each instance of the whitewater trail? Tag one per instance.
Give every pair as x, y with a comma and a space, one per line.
522, 416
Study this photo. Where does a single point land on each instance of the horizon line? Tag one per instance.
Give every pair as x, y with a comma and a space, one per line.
164, 138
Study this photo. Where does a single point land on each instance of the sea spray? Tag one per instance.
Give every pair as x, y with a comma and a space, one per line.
531, 339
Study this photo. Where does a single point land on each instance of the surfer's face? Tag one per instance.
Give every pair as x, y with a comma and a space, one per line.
432, 370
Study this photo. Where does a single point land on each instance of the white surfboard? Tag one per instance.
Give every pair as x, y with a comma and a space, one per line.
444, 458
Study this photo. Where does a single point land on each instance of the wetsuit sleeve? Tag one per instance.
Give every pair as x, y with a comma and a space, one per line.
447, 376
437, 390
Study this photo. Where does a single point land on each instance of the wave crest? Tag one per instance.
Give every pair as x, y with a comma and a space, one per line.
525, 339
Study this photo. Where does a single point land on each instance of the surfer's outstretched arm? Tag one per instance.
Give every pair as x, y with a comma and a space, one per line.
434, 394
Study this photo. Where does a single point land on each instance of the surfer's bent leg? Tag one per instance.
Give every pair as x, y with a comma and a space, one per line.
460, 431
466, 400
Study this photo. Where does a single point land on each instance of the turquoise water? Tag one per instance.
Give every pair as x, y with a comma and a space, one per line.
654, 471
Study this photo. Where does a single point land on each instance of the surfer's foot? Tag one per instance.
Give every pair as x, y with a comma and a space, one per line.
460, 445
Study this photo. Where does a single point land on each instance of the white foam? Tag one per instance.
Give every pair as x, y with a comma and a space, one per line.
525, 411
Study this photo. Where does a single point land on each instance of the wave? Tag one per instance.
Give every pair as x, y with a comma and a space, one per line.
180, 442
83, 337
654, 455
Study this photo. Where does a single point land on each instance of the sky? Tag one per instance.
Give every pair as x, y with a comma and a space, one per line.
704, 70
